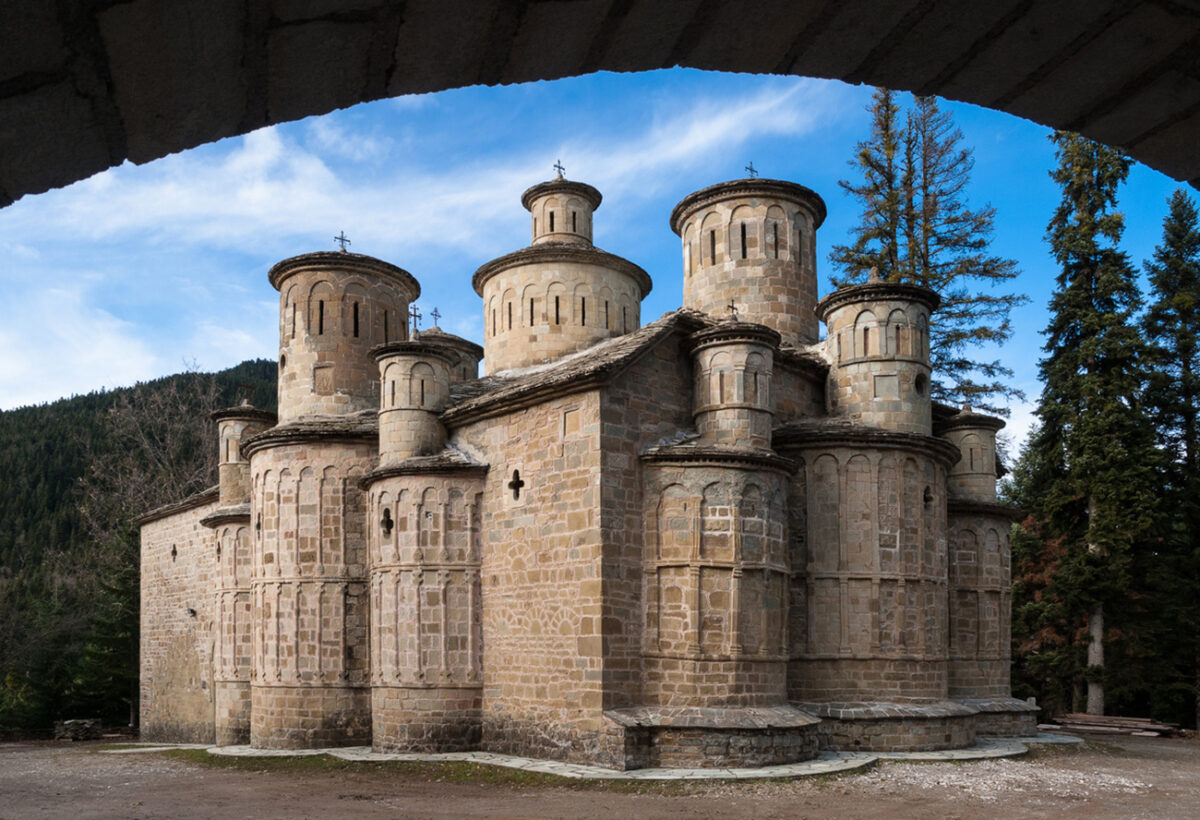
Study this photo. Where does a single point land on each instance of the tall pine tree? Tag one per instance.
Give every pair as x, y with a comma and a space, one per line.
916, 226
1093, 456
1172, 327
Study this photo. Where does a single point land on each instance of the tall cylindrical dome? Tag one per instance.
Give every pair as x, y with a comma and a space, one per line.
879, 341
561, 294
973, 478
751, 244
233, 471
733, 365
561, 211
333, 308
415, 382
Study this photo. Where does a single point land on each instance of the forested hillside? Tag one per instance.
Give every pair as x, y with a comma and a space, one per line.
68, 574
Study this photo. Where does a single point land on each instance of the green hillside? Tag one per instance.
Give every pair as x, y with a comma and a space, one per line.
71, 473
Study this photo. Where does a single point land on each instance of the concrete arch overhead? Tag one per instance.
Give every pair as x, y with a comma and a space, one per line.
87, 84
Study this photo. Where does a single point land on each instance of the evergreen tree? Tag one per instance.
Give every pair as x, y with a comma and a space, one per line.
916, 227
1172, 326
1091, 482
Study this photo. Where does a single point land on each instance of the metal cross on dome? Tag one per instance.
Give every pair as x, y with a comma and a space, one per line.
342, 240
558, 166
434, 313
415, 315
750, 169
732, 308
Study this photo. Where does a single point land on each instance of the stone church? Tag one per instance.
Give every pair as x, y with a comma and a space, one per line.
710, 540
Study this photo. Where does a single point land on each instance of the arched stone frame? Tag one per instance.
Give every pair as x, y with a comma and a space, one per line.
776, 230
711, 240
288, 316
605, 300
720, 377
741, 225
355, 294
323, 309
866, 334
509, 311
492, 320
756, 381
558, 305
574, 213
582, 301
897, 338
529, 306
690, 259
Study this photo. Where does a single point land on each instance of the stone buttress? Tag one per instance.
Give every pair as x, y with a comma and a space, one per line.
230, 522
980, 594
311, 680
868, 608
424, 521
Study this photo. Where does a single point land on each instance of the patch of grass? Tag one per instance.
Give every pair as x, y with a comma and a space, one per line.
477, 774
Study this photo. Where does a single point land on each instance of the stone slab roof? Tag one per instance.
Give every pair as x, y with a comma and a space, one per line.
597, 365
200, 499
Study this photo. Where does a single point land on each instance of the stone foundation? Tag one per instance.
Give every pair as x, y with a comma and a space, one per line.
1003, 717
715, 737
894, 727
309, 717
231, 706
425, 719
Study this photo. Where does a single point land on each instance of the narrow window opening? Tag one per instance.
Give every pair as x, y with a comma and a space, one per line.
606, 325
583, 310
422, 392
385, 523
557, 315
493, 321
174, 552
574, 224
866, 351
775, 239
320, 316
897, 350
386, 337
972, 451
552, 222
510, 315
356, 320
393, 389
293, 320
743, 240
531, 313
720, 387
712, 247
624, 320
535, 226
282, 361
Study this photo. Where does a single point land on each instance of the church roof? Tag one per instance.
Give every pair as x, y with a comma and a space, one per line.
597, 365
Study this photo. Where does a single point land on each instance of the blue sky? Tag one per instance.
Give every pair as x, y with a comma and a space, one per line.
141, 270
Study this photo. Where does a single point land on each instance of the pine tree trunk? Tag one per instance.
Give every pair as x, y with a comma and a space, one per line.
1095, 658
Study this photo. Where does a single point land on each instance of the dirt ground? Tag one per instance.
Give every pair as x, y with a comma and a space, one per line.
1113, 776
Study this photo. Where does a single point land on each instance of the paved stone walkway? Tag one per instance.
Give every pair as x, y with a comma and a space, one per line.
825, 763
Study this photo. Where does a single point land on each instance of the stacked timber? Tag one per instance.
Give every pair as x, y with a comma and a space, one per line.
1140, 727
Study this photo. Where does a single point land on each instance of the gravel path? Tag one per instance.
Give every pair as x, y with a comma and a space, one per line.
1115, 777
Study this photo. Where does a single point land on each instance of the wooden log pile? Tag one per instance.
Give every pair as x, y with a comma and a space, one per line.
1140, 727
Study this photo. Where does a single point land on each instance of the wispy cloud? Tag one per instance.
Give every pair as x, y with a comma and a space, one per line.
77, 348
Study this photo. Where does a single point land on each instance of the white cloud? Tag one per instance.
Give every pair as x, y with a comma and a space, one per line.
335, 140
68, 346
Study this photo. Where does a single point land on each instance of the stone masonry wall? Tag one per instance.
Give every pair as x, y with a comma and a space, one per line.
309, 588
426, 612
538, 311
178, 574
233, 650
980, 605
650, 403
869, 575
541, 580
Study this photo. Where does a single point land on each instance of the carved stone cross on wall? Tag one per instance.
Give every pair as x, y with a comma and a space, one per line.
516, 484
